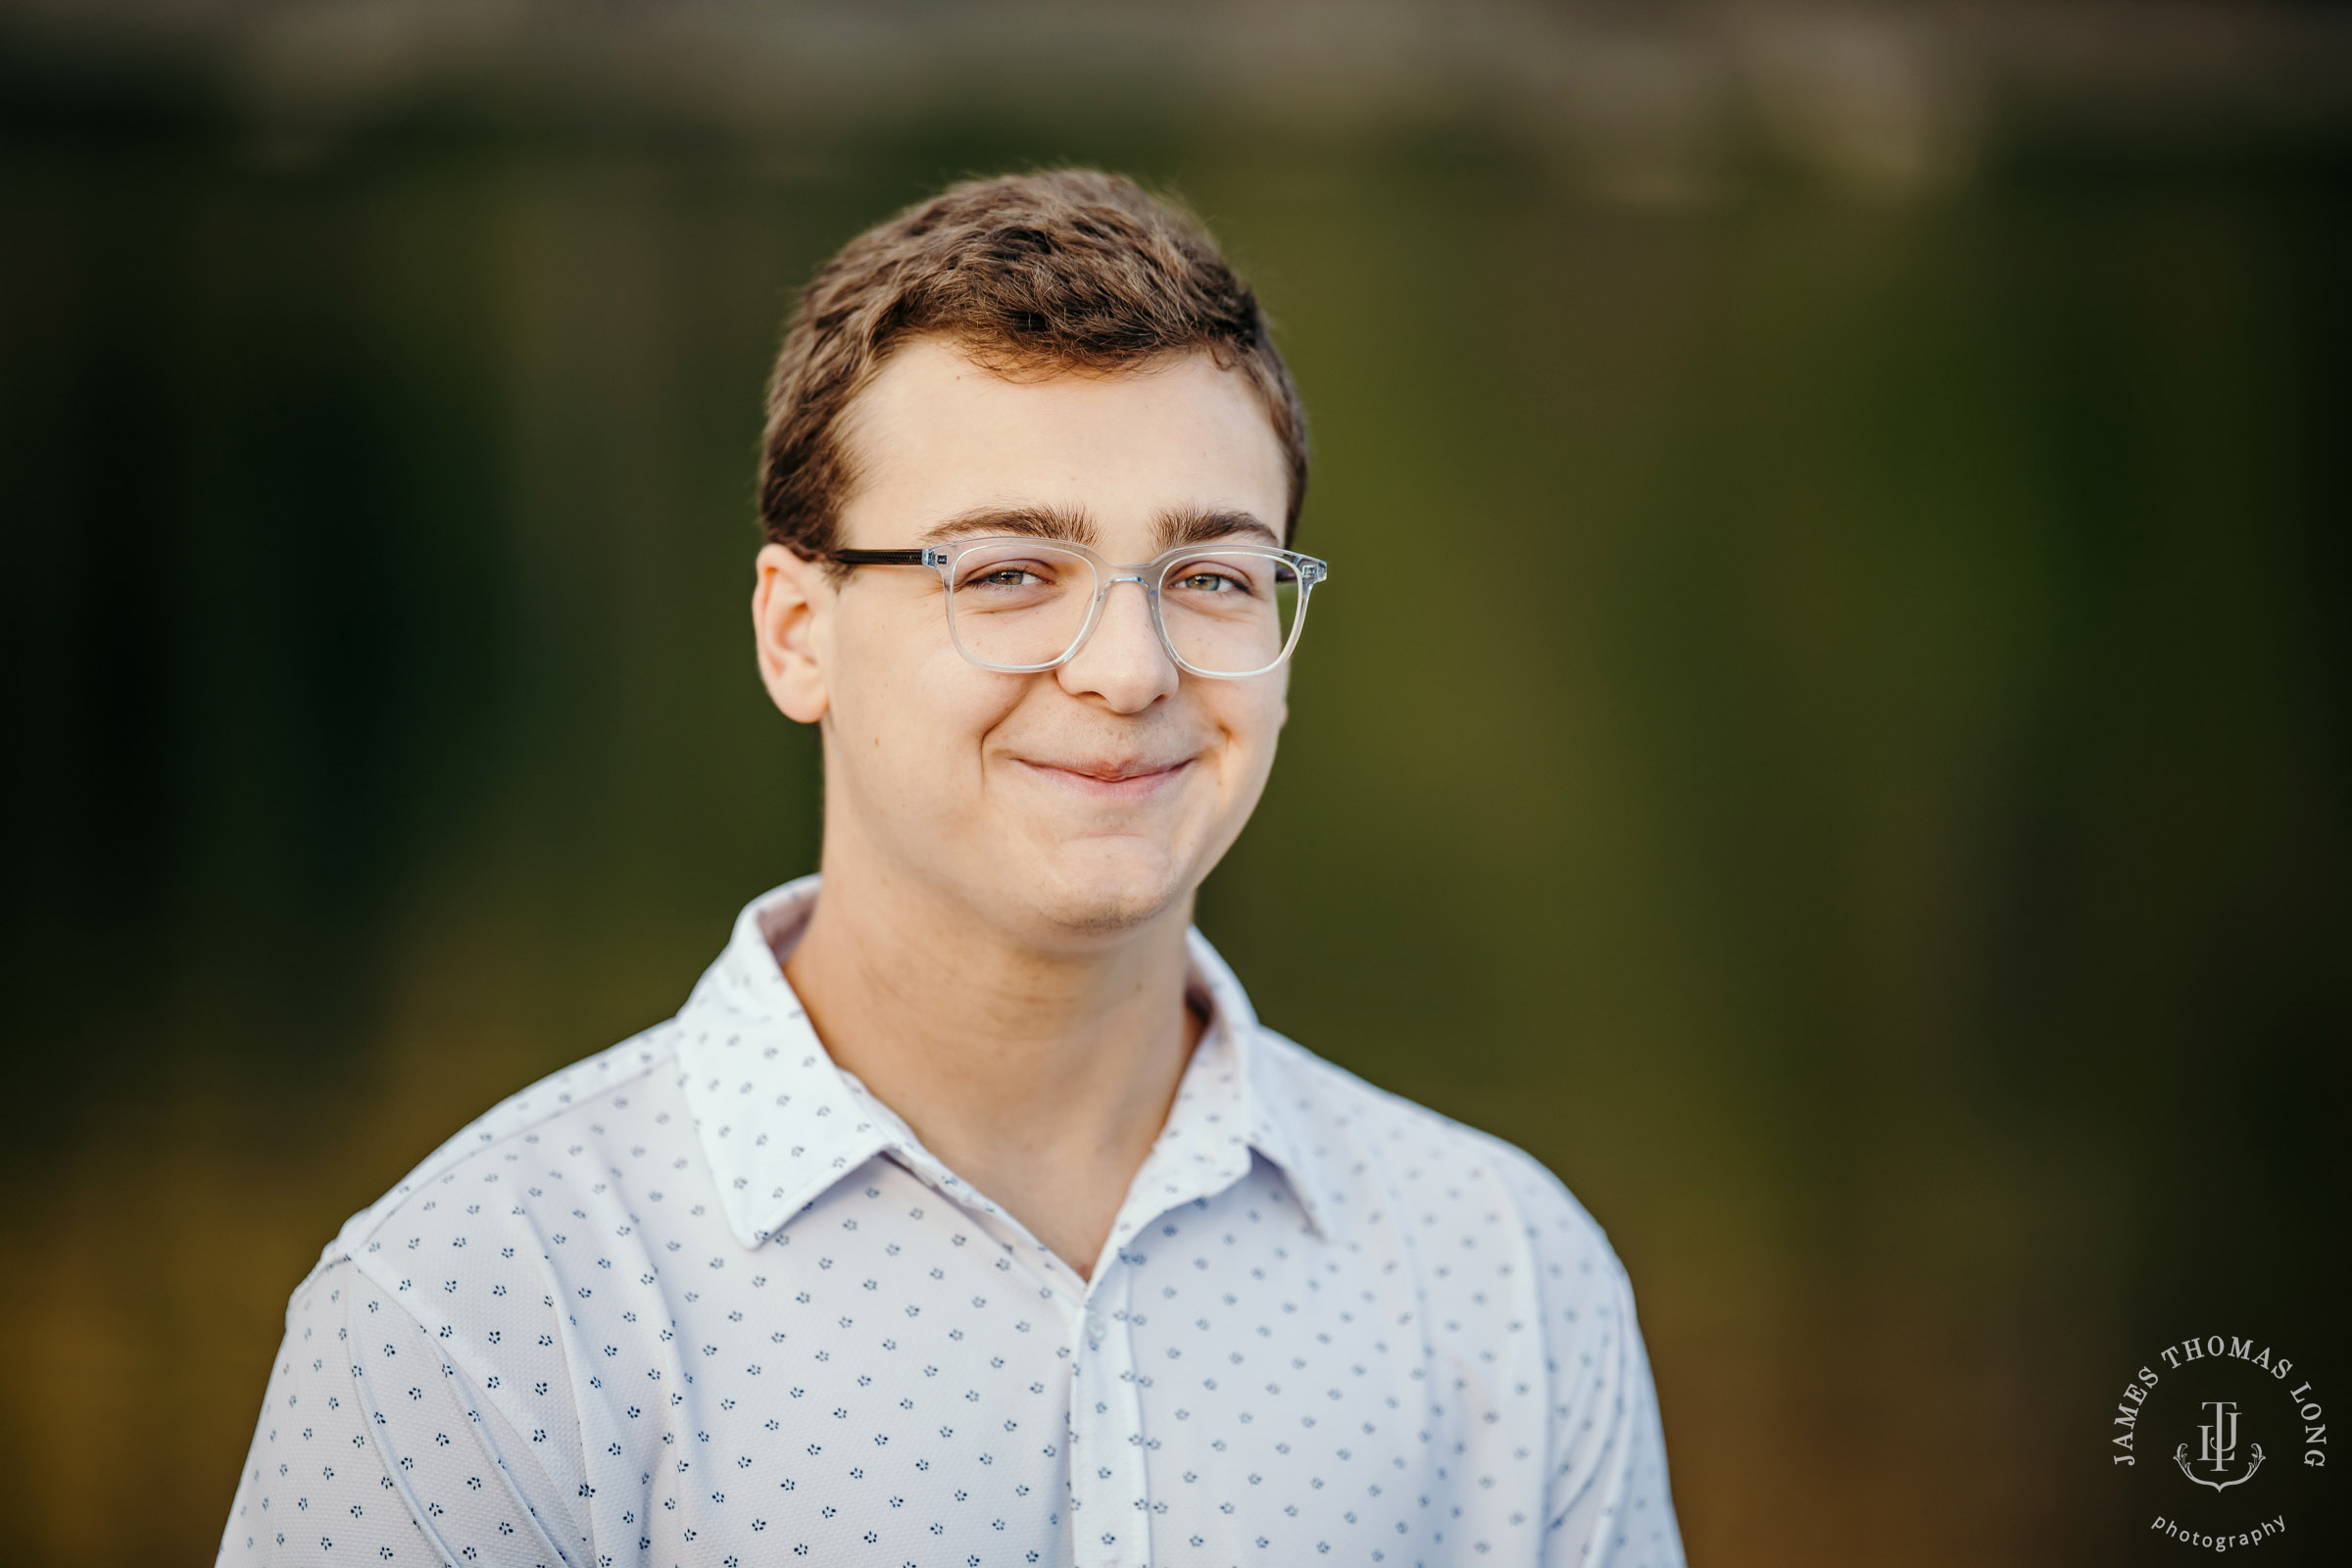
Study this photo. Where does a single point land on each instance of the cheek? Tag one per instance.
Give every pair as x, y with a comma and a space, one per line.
917, 711
1250, 717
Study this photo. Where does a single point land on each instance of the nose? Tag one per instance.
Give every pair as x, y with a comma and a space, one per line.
1123, 663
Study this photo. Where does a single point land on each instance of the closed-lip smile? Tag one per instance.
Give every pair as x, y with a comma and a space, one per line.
1103, 779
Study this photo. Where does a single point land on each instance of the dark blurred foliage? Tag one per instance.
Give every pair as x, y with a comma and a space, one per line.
1828, 725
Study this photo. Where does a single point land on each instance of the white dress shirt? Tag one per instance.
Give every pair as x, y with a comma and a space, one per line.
701, 1301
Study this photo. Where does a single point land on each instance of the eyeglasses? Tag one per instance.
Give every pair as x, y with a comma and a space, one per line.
1022, 605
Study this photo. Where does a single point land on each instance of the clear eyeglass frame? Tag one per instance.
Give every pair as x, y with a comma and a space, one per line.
1149, 575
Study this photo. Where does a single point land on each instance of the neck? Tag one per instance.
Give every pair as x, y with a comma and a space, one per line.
1039, 1076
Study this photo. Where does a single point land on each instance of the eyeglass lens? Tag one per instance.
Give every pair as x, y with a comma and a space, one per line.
1021, 603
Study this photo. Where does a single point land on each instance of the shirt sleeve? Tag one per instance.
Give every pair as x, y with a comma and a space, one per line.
372, 1447
1617, 1510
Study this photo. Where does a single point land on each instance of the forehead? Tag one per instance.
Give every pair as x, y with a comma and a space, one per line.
934, 435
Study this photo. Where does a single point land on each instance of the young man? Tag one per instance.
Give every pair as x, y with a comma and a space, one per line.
966, 1214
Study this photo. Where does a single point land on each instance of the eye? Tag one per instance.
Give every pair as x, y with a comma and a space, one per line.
1213, 579
1009, 574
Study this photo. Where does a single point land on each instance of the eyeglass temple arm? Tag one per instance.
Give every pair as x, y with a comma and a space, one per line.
925, 557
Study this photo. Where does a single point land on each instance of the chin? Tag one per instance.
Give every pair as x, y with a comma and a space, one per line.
1108, 896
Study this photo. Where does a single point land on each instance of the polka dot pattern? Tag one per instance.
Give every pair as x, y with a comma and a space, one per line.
701, 1300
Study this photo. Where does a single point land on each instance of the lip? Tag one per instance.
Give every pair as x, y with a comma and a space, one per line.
1111, 781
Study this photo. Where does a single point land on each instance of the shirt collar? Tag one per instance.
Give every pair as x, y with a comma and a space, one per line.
1271, 1108
780, 1124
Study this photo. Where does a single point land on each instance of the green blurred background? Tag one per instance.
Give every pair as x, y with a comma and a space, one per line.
1828, 725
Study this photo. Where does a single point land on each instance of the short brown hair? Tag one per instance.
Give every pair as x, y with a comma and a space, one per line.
1071, 270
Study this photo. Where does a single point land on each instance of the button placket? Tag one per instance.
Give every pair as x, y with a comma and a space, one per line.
1110, 1518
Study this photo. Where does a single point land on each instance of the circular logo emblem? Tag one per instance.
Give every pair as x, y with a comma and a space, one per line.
2221, 1439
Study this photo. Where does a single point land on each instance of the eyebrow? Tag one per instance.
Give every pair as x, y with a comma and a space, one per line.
1069, 523
1199, 526
1191, 525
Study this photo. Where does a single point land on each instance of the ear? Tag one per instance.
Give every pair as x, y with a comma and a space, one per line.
792, 607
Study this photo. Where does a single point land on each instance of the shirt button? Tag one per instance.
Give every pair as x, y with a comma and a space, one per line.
1094, 1326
